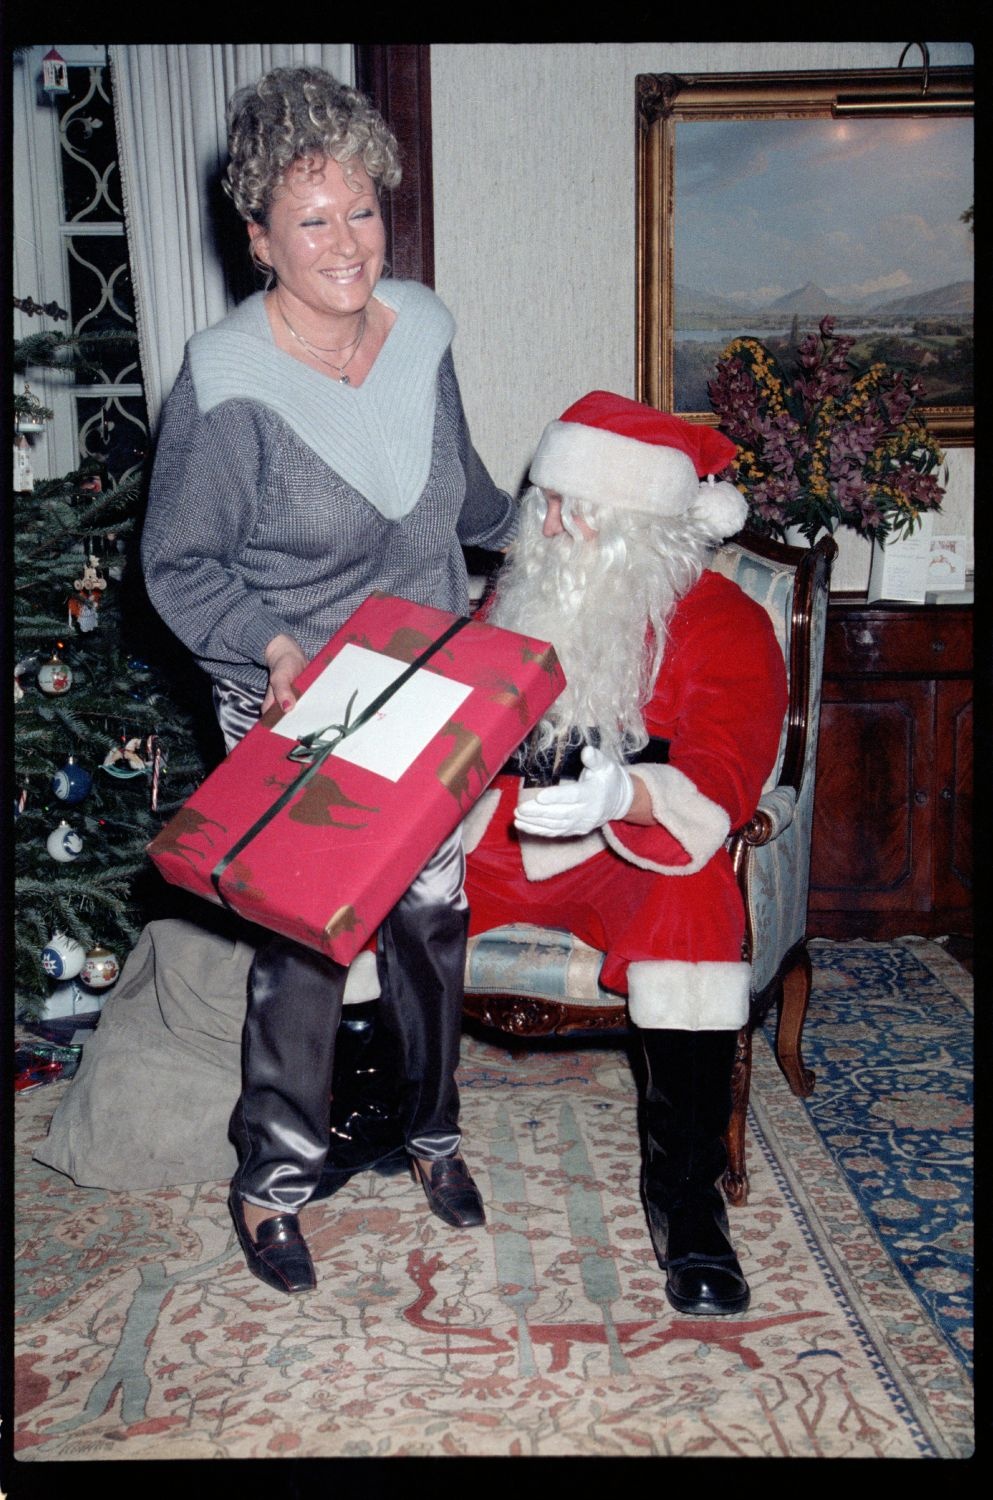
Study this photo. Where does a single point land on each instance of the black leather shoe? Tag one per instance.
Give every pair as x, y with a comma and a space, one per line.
451, 1192
702, 1273
278, 1255
708, 1288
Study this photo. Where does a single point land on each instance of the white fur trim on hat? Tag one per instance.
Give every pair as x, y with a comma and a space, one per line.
700, 825
587, 463
673, 995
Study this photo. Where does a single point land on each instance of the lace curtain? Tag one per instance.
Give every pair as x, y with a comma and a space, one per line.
188, 248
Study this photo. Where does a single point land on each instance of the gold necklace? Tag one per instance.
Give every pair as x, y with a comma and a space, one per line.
315, 350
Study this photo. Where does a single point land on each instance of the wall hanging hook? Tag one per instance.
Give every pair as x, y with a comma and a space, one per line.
925, 61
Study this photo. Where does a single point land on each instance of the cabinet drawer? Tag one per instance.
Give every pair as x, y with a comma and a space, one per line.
920, 642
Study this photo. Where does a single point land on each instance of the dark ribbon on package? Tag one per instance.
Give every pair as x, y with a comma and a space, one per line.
314, 748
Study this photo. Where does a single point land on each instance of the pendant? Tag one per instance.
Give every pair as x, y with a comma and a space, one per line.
343, 380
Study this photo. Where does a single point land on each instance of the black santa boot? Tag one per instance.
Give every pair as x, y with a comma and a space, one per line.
366, 1129
687, 1106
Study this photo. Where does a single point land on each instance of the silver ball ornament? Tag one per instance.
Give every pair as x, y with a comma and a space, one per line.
100, 969
55, 677
62, 957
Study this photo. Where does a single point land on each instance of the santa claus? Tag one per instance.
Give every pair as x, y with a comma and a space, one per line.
614, 826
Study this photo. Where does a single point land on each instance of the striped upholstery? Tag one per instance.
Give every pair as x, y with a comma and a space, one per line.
771, 585
542, 962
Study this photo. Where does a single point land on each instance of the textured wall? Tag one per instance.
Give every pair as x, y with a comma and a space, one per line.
535, 225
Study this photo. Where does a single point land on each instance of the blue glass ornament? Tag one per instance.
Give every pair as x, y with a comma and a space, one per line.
71, 783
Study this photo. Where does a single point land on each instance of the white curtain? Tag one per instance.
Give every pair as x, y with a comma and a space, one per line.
170, 104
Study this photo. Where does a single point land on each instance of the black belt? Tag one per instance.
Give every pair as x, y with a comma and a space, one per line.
546, 767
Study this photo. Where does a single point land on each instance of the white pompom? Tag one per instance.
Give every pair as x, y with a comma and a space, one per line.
721, 507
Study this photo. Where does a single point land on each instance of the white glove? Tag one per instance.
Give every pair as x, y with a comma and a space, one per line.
603, 792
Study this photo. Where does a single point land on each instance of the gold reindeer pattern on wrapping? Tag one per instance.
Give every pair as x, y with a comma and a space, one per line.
464, 760
343, 921
405, 644
187, 824
238, 882
507, 693
320, 795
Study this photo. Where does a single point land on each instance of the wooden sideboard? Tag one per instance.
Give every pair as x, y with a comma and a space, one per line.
892, 838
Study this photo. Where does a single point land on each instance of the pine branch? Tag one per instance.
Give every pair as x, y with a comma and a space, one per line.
129, 682
51, 350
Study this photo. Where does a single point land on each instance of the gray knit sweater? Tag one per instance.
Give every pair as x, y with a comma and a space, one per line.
279, 501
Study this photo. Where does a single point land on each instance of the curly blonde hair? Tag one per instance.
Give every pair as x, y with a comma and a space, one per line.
300, 114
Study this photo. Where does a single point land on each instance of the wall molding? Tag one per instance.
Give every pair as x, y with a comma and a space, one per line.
397, 78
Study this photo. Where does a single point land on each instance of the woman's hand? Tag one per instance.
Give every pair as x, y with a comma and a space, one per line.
285, 661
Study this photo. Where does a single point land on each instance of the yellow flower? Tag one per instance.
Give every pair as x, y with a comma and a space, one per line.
775, 393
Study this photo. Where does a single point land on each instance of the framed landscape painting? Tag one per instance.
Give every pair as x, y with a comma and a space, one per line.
769, 201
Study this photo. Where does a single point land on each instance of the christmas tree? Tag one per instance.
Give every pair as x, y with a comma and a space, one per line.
111, 728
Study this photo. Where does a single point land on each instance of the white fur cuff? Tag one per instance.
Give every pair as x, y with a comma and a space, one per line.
672, 995
543, 858
477, 819
700, 825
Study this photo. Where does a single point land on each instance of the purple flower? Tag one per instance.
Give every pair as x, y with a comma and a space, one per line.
849, 445
859, 452
851, 490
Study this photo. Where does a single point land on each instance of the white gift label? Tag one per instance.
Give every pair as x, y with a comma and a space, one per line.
397, 733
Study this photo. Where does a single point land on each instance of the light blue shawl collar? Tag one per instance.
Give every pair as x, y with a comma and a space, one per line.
379, 435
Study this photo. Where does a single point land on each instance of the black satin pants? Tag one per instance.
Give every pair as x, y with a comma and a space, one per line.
421, 957
280, 1125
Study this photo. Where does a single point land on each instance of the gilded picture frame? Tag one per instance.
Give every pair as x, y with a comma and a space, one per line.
724, 190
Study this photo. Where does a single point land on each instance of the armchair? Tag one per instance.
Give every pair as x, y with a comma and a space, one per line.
528, 981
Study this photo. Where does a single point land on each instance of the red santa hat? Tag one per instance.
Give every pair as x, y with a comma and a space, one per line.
613, 451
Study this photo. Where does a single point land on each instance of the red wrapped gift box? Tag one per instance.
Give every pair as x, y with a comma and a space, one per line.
320, 818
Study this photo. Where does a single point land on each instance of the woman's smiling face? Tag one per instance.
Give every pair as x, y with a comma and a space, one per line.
325, 239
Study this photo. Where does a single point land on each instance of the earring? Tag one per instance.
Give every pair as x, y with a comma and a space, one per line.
262, 267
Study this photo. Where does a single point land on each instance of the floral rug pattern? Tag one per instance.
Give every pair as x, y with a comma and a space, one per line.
890, 1040
141, 1335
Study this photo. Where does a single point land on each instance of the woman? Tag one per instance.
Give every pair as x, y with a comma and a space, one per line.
314, 449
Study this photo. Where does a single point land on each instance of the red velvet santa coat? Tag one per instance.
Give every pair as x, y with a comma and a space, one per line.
661, 900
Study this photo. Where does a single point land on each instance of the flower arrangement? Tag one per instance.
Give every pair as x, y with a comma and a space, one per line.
828, 447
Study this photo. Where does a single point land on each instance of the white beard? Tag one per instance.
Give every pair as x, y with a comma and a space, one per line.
605, 606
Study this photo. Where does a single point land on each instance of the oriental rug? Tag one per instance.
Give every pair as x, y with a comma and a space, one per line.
140, 1335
